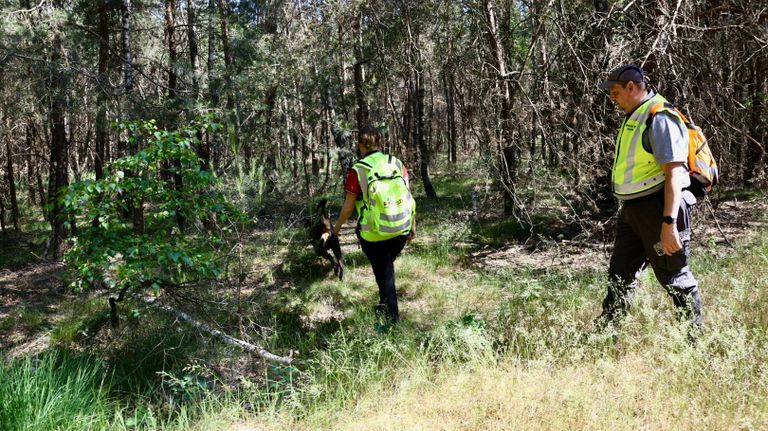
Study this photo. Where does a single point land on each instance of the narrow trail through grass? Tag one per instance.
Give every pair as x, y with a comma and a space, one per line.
493, 337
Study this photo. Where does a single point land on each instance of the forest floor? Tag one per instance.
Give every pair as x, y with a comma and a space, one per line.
32, 295
476, 307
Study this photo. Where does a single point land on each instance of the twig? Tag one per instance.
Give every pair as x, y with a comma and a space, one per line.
717, 223
13, 12
671, 23
736, 129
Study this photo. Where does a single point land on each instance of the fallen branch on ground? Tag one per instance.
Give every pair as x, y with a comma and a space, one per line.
248, 347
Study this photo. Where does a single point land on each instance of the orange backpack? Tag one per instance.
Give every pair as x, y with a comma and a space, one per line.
701, 163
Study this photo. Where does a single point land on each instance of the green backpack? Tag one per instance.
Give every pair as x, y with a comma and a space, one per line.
387, 208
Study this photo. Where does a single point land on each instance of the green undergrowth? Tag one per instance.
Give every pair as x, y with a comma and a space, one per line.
18, 249
478, 347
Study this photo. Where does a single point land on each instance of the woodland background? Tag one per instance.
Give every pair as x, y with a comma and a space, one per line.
159, 159
510, 84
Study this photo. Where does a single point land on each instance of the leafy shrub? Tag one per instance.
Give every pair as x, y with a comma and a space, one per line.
185, 219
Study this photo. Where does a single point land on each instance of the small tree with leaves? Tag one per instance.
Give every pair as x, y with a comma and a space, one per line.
165, 255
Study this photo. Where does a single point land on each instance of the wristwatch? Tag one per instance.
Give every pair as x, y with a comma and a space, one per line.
668, 219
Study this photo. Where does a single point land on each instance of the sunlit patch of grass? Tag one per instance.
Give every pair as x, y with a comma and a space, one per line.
20, 249
31, 317
515, 348
25, 318
740, 194
84, 318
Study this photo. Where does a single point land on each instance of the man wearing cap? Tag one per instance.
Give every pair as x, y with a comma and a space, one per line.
650, 178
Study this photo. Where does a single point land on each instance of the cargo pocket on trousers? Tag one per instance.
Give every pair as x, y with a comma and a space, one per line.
679, 260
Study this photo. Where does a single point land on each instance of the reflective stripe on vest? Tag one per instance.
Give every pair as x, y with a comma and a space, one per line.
362, 168
388, 229
635, 170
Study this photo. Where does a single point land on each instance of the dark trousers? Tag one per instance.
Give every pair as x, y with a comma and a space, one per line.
638, 229
382, 255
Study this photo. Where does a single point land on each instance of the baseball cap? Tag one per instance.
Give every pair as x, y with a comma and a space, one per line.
624, 73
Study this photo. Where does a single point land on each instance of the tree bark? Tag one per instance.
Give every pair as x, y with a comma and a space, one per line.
38, 177
170, 34
2, 214
137, 207
11, 178
228, 90
58, 144
30, 169
419, 137
213, 90
509, 160
125, 8
102, 99
173, 95
193, 50
363, 114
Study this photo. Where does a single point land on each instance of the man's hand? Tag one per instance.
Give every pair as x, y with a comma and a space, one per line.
670, 239
674, 172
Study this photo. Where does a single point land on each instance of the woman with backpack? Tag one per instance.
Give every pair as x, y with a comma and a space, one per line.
377, 187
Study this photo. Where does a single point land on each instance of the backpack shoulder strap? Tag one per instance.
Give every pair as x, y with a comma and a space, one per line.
364, 163
656, 107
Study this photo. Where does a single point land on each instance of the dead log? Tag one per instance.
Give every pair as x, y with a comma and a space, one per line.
248, 347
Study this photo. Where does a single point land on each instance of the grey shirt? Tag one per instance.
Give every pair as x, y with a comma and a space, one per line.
667, 140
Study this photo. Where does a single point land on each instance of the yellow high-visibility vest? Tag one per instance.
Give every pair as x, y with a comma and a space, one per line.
635, 171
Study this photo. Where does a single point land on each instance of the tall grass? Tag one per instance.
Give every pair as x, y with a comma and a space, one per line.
536, 364
478, 348
54, 391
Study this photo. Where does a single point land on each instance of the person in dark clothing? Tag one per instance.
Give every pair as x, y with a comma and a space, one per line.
381, 248
650, 177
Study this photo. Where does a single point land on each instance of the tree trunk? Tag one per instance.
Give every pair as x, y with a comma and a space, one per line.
2, 214
270, 101
102, 135
228, 90
43, 200
193, 50
363, 114
11, 184
201, 149
213, 90
170, 29
509, 160
419, 137
137, 208
125, 8
30, 169
449, 87
58, 145
170, 34
450, 108
755, 124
